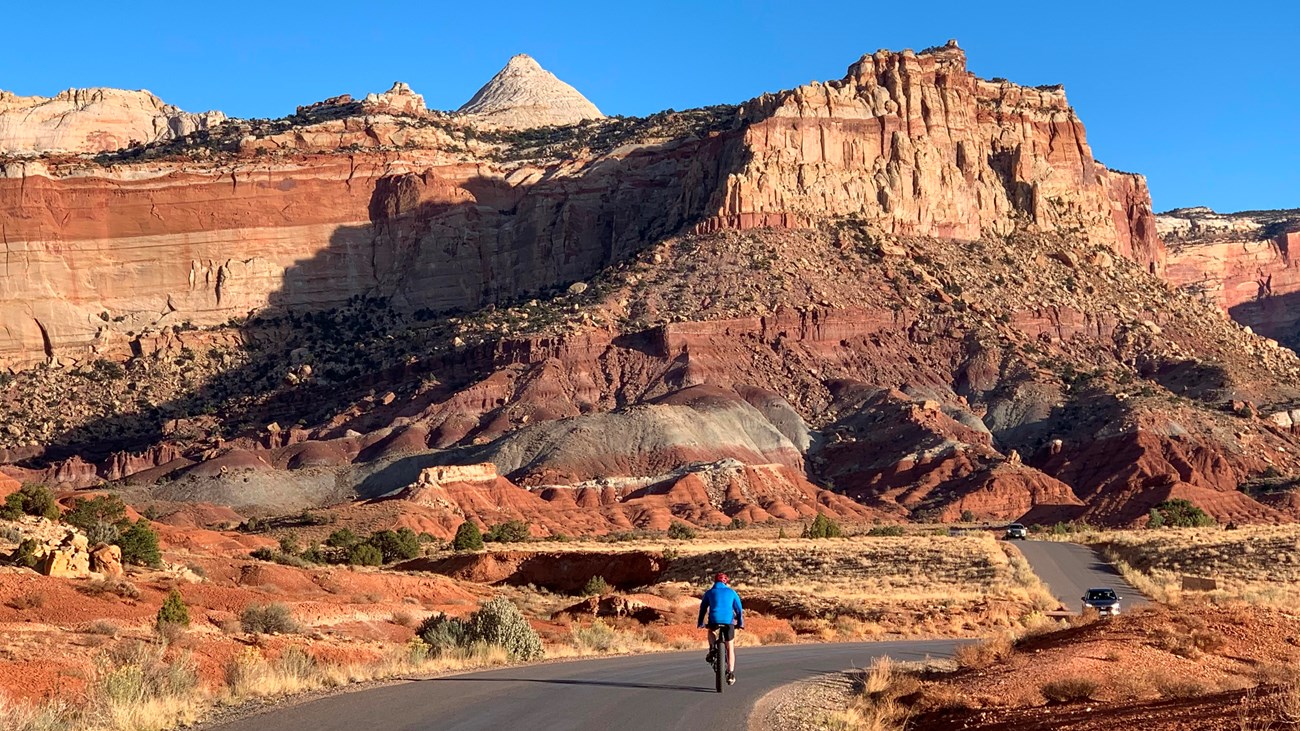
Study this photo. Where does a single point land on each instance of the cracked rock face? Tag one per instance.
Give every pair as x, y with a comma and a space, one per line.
523, 95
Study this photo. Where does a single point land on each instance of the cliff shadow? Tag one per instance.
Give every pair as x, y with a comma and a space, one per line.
369, 312
1276, 316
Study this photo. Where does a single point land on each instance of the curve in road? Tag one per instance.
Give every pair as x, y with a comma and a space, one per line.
1070, 569
660, 691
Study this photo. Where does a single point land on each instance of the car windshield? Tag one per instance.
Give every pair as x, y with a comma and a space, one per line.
1101, 595
1015, 526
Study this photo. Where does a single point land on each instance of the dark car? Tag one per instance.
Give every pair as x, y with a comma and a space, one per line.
1105, 601
1016, 532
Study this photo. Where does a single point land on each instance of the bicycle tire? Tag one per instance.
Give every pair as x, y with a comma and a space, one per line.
719, 664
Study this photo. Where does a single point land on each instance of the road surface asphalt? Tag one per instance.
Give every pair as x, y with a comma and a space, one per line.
660, 691
1070, 569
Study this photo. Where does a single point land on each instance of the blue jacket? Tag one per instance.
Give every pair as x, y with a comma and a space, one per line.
721, 605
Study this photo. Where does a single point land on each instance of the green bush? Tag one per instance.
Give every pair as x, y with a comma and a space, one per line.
289, 544
365, 554
1179, 513
499, 622
443, 633
174, 612
396, 545
102, 518
511, 531
468, 537
139, 545
1155, 519
886, 530
823, 527
680, 531
967, 516
596, 586
272, 618
31, 499
342, 538
24, 554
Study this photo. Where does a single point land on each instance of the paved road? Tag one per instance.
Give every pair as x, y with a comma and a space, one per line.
660, 692
1070, 569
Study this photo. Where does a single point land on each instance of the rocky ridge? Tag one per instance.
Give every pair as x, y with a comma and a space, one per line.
93, 120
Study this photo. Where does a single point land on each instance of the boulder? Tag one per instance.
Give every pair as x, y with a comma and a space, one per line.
106, 559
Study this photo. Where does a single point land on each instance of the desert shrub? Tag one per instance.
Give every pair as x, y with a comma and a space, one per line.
289, 544
262, 554
31, 499
886, 530
984, 654
822, 527
736, 524
598, 637
596, 586
443, 633
139, 545
24, 554
273, 618
102, 627
342, 538
679, 531
967, 516
511, 531
365, 554
1068, 690
127, 678
396, 545
1155, 519
294, 662
499, 622
314, 554
174, 612
124, 589
402, 619
1175, 686
1180, 513
98, 515
468, 537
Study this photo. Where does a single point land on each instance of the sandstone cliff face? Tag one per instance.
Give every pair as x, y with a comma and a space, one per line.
1244, 263
917, 145
415, 209
92, 120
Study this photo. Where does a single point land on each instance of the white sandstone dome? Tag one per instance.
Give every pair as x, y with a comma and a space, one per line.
523, 94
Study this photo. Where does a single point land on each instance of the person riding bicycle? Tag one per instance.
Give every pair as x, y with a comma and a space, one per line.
720, 606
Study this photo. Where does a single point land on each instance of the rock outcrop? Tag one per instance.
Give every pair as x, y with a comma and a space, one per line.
93, 120
918, 145
1244, 263
524, 95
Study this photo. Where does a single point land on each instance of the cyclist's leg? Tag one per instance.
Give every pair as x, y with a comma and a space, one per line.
729, 636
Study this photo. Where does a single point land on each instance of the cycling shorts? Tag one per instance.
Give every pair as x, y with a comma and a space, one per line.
728, 632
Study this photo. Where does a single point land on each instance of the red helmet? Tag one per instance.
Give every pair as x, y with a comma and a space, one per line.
721, 577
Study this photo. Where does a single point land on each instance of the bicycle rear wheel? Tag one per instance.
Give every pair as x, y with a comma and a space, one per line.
719, 666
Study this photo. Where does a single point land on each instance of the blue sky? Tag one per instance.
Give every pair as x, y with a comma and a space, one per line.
1203, 98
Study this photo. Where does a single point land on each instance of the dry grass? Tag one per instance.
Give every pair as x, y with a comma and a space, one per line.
878, 706
984, 654
1253, 564
1069, 690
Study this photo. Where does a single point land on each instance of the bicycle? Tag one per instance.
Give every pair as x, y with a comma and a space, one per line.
721, 650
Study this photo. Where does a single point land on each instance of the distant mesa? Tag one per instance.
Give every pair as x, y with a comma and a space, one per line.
523, 95
93, 120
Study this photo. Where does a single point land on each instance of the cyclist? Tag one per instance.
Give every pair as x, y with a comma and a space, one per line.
721, 607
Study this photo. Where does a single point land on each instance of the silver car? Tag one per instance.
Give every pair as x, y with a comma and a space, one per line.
1105, 601
1016, 532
